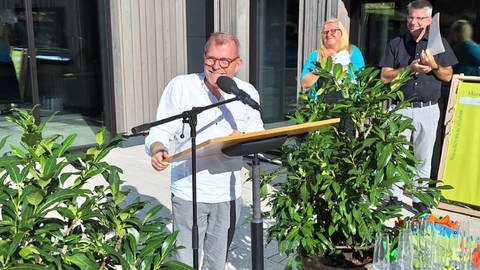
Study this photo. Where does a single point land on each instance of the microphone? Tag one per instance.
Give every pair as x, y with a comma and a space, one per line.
229, 86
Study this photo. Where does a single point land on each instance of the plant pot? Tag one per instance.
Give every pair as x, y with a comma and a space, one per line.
321, 263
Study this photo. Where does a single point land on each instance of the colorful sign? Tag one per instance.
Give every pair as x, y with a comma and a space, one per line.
462, 165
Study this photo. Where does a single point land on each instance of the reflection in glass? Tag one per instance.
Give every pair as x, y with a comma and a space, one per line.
278, 48
9, 89
70, 68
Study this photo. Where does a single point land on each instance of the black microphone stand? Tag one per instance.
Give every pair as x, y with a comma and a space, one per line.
189, 117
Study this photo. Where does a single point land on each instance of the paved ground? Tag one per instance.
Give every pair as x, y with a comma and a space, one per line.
154, 186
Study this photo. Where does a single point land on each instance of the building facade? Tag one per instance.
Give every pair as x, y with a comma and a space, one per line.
103, 63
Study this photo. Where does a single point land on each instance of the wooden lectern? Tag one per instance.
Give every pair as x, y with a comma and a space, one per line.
216, 145
253, 143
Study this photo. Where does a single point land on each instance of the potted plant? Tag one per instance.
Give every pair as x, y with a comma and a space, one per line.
332, 203
51, 219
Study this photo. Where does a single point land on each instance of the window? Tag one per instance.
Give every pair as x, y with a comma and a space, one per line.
381, 21
71, 64
276, 70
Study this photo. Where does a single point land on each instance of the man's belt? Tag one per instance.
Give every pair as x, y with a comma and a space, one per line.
420, 104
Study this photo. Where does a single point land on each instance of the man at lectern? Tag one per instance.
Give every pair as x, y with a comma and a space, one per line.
219, 182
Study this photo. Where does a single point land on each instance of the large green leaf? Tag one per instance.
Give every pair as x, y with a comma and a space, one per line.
100, 136
92, 172
29, 252
66, 144
4, 247
49, 166
26, 216
152, 212
175, 265
29, 266
14, 173
3, 142
17, 151
82, 261
147, 263
384, 157
15, 244
59, 196
35, 196
50, 226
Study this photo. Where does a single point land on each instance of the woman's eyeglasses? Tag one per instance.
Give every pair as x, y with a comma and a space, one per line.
331, 31
223, 62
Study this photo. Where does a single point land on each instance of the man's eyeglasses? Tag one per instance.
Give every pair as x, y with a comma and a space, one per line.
417, 18
223, 62
331, 31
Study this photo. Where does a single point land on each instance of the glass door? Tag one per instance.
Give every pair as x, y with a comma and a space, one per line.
70, 66
277, 31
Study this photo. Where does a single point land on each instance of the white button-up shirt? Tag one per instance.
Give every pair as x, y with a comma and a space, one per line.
218, 176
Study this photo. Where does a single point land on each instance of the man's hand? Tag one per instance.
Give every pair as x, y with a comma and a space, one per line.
236, 132
426, 58
159, 160
429, 63
159, 156
418, 67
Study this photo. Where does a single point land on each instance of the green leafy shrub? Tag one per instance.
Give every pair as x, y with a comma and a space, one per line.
338, 178
51, 219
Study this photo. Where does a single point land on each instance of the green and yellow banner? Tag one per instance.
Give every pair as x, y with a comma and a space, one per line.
462, 165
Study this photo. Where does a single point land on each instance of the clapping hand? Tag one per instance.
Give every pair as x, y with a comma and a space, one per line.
426, 58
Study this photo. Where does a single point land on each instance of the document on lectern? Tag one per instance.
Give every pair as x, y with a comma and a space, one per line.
215, 146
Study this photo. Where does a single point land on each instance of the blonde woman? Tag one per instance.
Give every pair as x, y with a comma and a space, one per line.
333, 42
466, 50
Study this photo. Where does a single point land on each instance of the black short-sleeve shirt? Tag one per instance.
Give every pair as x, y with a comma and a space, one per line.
402, 50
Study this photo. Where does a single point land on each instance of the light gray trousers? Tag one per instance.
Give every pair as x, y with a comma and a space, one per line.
216, 226
425, 122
